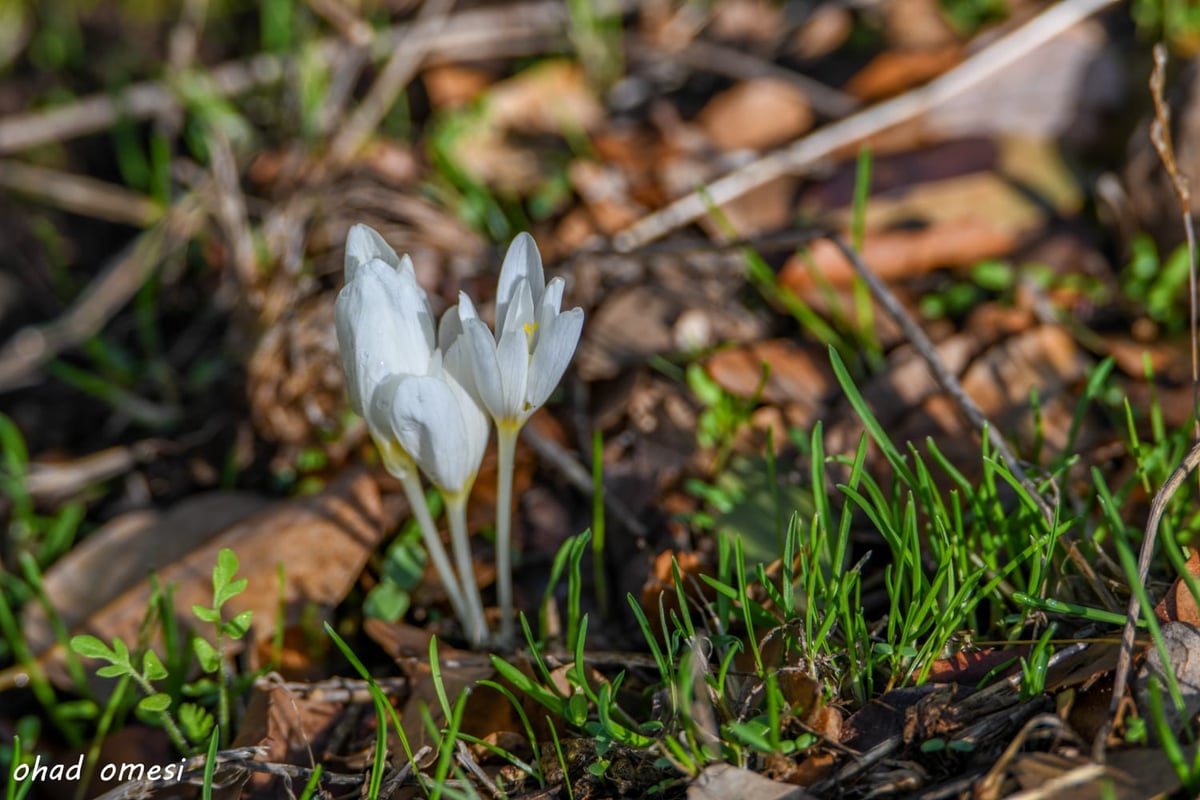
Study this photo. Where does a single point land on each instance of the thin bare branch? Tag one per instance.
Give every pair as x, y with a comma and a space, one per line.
1160, 137
79, 194
470, 35
344, 19
856, 128
396, 74
31, 347
740, 65
949, 383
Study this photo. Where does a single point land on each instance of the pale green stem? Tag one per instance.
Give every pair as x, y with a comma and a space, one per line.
401, 465
433, 543
506, 441
456, 512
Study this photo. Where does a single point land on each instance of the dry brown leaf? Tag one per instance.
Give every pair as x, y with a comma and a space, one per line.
485, 153
1087, 708
971, 668
812, 769
756, 115
883, 718
660, 583
797, 374
633, 323
1182, 643
294, 729
123, 552
896, 71
1170, 360
829, 25
1178, 605
769, 207
550, 97
452, 86
393, 161
409, 647
1046, 358
916, 24
1128, 775
894, 255
1056, 89
725, 781
757, 21
294, 379
321, 542
605, 191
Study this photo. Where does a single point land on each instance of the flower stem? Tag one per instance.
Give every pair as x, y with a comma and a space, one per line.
506, 441
456, 512
433, 543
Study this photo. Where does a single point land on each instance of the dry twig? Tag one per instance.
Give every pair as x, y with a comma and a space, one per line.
396, 74
32, 347
1160, 136
470, 35
951, 386
740, 65
80, 194
869, 122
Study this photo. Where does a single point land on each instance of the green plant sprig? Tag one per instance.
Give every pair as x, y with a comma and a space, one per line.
213, 659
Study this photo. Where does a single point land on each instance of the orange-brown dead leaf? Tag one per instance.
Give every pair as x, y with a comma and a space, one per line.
660, 583
970, 668
894, 255
756, 115
896, 71
551, 97
797, 374
292, 728
321, 542
1178, 605
452, 86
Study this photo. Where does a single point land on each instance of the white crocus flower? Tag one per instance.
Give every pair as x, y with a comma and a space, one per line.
512, 373
385, 333
440, 426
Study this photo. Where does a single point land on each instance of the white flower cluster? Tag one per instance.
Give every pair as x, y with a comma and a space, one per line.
427, 398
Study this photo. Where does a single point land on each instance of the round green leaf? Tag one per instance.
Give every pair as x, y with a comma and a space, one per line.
206, 654
91, 647
155, 702
152, 667
387, 601
238, 626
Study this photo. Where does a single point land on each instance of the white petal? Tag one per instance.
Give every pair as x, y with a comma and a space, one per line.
512, 356
520, 313
384, 327
438, 424
548, 310
553, 297
378, 412
367, 334
466, 308
363, 244
489, 385
555, 347
476, 425
412, 313
457, 362
522, 261
449, 328
343, 321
